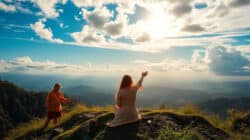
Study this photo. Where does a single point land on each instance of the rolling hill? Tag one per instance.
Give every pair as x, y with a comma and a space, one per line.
18, 106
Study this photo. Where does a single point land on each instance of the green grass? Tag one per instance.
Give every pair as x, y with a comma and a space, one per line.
36, 124
168, 133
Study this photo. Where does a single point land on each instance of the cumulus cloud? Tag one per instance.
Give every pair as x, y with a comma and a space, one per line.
48, 7
223, 8
181, 8
98, 17
99, 25
219, 10
174, 26
88, 35
196, 57
114, 29
43, 32
138, 13
227, 61
219, 60
7, 8
144, 37
193, 28
86, 3
239, 3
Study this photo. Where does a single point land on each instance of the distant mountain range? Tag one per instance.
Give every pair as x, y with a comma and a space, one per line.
221, 106
97, 91
89, 95
109, 84
46, 82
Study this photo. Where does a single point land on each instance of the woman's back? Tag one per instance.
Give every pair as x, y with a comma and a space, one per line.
127, 97
125, 109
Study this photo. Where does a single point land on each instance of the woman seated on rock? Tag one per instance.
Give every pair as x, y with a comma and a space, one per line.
125, 109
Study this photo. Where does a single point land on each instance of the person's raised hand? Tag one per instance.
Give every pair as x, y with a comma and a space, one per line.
145, 73
68, 100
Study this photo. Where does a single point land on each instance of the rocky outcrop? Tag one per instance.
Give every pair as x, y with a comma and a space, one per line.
242, 125
93, 126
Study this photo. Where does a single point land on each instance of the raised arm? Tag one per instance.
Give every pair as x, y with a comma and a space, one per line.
63, 99
139, 83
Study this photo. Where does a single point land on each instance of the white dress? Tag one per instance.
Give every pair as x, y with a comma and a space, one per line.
126, 112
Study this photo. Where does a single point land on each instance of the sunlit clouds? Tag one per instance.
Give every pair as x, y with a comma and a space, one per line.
210, 37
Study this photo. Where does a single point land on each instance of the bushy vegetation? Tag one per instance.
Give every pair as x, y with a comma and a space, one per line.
18, 106
169, 133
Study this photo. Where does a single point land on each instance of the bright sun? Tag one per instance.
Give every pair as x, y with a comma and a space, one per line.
156, 24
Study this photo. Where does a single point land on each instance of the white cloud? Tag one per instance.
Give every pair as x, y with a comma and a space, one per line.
86, 3
227, 61
218, 60
24, 10
43, 32
98, 17
48, 7
7, 8
173, 65
88, 35
181, 8
193, 28
166, 24
61, 25
114, 29
27, 65
24, 60
77, 18
239, 3
243, 48
4, 66
144, 37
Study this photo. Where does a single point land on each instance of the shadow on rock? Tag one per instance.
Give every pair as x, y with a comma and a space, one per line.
123, 132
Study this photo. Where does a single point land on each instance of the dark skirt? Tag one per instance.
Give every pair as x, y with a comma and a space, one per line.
54, 115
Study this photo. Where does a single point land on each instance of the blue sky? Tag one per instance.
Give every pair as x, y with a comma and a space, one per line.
205, 38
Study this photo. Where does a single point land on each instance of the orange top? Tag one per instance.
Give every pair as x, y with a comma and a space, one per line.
53, 101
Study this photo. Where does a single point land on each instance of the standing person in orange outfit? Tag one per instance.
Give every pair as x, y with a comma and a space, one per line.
53, 104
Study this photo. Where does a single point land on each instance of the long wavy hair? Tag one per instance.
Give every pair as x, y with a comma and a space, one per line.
126, 82
57, 87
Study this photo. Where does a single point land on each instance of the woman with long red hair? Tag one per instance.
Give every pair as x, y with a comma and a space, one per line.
125, 108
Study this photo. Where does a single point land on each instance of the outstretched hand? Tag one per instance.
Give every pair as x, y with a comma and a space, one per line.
144, 74
68, 100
